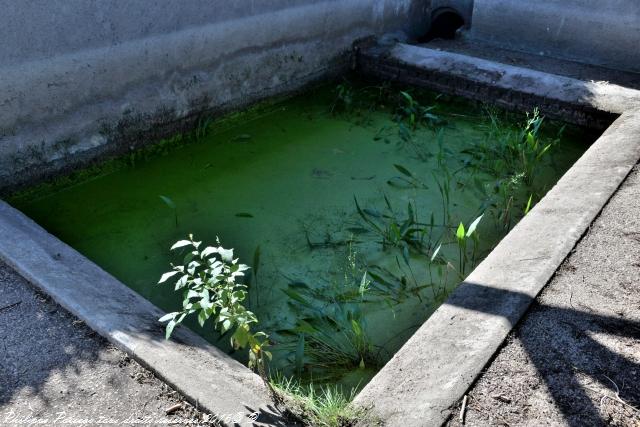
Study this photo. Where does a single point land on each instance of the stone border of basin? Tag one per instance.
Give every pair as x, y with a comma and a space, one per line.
436, 366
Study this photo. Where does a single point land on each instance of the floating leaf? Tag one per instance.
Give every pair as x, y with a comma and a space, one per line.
401, 183
372, 212
299, 285
403, 170
295, 296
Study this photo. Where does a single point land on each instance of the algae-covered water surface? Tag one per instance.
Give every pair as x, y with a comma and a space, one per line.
359, 208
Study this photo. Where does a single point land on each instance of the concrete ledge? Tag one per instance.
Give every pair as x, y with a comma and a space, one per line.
195, 368
434, 369
593, 104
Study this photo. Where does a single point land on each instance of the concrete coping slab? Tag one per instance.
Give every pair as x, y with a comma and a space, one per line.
587, 103
436, 366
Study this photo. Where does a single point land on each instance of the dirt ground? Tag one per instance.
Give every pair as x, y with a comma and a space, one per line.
54, 369
574, 360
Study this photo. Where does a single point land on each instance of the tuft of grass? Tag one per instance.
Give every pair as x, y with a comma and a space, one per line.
324, 406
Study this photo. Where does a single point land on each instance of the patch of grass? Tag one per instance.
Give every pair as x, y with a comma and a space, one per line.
324, 406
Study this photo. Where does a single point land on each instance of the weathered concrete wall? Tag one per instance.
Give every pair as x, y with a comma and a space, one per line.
79, 79
594, 31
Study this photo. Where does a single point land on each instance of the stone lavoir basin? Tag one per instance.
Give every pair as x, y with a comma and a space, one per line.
359, 207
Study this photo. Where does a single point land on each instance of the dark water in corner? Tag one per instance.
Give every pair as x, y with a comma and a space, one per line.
284, 179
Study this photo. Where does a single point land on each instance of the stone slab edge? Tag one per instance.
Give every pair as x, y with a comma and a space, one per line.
588, 103
435, 368
195, 368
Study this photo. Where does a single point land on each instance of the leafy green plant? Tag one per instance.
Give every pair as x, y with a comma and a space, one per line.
413, 113
344, 99
443, 181
463, 237
409, 115
407, 180
203, 127
208, 281
508, 152
394, 232
329, 337
513, 157
527, 208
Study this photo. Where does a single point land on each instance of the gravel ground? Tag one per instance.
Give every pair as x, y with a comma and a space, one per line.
53, 368
574, 360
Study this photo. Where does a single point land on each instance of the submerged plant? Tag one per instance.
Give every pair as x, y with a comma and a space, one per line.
329, 337
413, 113
394, 232
514, 159
344, 98
207, 279
171, 205
508, 152
397, 229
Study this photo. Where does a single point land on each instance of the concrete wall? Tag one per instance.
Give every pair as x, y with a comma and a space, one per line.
80, 78
595, 31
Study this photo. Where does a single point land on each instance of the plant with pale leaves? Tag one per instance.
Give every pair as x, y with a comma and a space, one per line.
462, 237
208, 281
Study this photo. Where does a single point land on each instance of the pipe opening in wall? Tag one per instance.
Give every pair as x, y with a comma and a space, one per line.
444, 24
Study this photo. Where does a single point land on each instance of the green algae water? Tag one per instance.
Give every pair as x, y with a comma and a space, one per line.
353, 206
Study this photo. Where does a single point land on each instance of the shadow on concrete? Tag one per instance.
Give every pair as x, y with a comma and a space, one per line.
562, 348
51, 362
